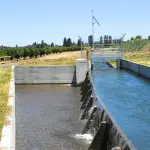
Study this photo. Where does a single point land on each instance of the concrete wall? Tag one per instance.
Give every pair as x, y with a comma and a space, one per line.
81, 70
137, 68
49, 74
110, 64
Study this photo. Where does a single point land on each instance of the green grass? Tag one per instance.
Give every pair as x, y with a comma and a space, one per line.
135, 45
113, 62
138, 57
142, 57
5, 75
58, 62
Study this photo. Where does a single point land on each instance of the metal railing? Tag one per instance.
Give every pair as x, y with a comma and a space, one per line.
113, 53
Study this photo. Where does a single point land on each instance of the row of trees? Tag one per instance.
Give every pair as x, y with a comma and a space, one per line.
67, 42
33, 52
138, 37
105, 40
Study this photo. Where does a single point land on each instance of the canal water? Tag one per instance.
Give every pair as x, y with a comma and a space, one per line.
47, 118
127, 96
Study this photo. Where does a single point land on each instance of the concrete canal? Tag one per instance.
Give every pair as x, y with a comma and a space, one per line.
127, 97
51, 117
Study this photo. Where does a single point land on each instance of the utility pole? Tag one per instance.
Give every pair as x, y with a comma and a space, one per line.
81, 45
93, 29
93, 23
122, 47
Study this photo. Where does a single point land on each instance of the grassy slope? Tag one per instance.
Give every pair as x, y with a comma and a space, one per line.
5, 75
68, 58
59, 61
137, 51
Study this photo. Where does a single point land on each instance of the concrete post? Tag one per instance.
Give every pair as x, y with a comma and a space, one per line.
81, 70
118, 63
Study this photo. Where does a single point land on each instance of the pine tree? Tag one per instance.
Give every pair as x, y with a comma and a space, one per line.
90, 40
42, 44
110, 40
105, 39
65, 42
52, 44
69, 43
101, 40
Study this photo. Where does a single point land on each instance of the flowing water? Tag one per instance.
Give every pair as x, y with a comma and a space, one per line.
127, 96
47, 118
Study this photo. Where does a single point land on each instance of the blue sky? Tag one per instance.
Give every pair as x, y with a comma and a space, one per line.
24, 22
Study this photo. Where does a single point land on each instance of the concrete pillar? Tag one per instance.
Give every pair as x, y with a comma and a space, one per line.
81, 70
118, 63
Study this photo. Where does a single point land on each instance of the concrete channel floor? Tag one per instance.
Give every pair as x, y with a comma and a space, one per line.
47, 118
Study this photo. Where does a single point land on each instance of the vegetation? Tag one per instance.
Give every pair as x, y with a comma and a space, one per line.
58, 61
5, 75
33, 52
137, 50
136, 45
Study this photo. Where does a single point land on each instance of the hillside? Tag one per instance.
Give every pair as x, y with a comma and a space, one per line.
137, 45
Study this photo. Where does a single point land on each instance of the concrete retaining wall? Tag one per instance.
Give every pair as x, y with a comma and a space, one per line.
137, 68
81, 70
49, 74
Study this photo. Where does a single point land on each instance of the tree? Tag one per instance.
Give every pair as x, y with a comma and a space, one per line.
69, 43
25, 53
101, 40
42, 44
90, 40
31, 53
52, 44
34, 45
65, 42
73, 44
105, 40
148, 37
79, 42
132, 39
110, 39
138, 37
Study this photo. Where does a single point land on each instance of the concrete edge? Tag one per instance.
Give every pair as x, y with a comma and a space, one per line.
137, 68
8, 132
110, 64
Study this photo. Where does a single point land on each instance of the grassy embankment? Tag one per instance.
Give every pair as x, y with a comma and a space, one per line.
137, 51
5, 75
59, 61
67, 58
